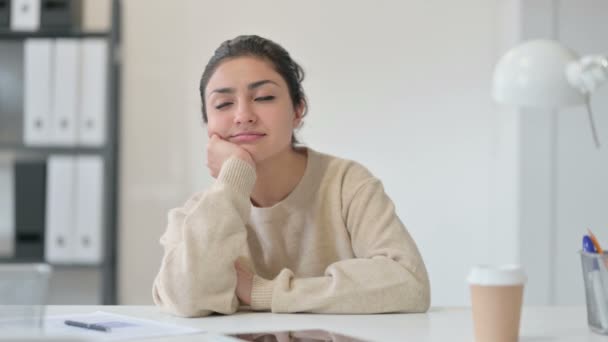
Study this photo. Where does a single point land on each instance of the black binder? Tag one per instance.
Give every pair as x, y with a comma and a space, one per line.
5, 14
30, 209
62, 15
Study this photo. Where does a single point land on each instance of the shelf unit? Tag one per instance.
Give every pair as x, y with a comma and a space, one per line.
13, 148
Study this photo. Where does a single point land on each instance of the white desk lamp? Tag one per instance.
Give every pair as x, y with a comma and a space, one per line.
545, 74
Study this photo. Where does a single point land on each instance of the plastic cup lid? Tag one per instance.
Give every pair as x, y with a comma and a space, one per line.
497, 275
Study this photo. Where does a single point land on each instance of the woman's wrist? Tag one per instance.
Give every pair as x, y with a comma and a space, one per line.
245, 156
261, 293
238, 174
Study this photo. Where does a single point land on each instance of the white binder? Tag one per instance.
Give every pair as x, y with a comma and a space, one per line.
89, 210
38, 80
25, 15
93, 99
65, 92
7, 210
60, 208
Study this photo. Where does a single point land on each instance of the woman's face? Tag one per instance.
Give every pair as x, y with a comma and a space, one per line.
248, 104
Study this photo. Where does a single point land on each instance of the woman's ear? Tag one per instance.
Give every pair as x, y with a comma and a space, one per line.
299, 114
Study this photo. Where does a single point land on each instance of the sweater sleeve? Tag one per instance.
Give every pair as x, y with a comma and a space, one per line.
386, 275
201, 243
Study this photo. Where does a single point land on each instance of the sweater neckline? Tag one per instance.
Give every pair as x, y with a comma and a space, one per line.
300, 193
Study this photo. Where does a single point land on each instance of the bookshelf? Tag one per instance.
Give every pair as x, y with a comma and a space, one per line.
84, 267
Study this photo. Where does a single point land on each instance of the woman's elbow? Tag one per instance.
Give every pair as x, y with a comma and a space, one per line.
181, 309
425, 298
417, 297
175, 305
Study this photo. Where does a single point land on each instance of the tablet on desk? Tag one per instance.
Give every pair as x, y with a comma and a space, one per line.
295, 336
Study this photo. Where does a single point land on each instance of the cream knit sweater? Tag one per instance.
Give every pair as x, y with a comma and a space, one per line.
334, 245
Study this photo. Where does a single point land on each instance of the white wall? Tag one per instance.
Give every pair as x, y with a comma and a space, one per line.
400, 86
536, 150
154, 171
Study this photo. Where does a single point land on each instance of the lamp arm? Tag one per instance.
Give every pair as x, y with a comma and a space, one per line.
588, 73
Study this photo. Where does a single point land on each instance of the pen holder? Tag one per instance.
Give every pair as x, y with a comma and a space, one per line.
23, 294
595, 275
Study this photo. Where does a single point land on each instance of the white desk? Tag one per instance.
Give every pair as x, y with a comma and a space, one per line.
539, 324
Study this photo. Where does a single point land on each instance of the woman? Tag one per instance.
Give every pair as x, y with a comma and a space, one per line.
283, 228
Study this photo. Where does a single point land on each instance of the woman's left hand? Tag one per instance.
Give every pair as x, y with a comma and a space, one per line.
244, 283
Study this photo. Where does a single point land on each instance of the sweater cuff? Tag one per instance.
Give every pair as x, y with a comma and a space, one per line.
238, 174
261, 293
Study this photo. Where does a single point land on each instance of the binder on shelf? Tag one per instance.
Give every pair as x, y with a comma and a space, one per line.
89, 210
59, 242
65, 92
5, 11
11, 92
93, 99
38, 80
25, 15
74, 220
60, 14
30, 209
7, 221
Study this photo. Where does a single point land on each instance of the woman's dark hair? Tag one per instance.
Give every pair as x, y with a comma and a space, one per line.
255, 46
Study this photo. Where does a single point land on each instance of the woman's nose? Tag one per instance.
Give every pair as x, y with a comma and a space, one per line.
244, 114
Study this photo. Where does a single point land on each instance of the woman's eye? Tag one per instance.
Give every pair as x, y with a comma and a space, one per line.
222, 105
265, 98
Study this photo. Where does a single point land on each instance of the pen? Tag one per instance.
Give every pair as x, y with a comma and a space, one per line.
598, 248
596, 243
91, 326
588, 245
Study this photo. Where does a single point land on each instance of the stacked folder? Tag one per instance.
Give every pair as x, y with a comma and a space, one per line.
53, 210
65, 92
74, 207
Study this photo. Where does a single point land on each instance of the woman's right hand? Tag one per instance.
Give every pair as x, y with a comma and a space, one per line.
220, 150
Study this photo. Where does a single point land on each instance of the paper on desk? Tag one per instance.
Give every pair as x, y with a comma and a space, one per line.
123, 327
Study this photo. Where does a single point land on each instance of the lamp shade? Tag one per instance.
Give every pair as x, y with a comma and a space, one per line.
534, 74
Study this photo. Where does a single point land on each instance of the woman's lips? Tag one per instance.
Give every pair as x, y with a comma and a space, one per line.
247, 137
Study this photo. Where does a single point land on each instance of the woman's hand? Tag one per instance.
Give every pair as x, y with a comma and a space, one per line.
220, 150
244, 283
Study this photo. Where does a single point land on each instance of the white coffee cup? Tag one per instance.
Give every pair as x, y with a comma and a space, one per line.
496, 298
